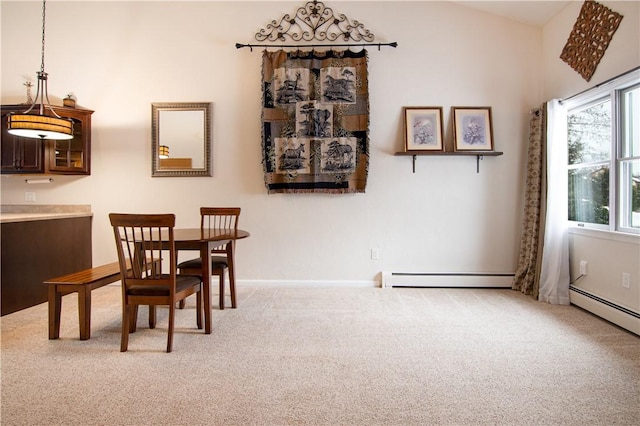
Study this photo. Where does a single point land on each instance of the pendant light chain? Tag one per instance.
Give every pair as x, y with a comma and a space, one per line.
44, 5
40, 125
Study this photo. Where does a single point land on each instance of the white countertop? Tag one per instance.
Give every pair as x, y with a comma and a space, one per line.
25, 217
25, 213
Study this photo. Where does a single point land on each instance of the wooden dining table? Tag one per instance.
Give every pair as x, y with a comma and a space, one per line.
205, 240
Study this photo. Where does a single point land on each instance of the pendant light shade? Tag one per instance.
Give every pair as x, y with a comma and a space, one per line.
40, 125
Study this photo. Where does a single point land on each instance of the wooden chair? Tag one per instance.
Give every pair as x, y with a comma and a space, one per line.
222, 257
141, 240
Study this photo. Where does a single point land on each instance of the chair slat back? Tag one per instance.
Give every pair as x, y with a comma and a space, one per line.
141, 240
219, 218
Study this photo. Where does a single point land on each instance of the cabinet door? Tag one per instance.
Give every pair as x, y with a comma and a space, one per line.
67, 155
20, 155
72, 156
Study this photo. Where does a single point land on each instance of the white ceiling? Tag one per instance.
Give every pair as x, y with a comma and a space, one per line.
533, 12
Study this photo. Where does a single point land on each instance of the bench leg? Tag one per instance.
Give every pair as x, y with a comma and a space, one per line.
84, 312
55, 307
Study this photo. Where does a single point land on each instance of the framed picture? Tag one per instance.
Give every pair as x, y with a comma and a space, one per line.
423, 128
472, 129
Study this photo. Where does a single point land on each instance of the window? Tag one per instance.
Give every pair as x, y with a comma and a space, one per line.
629, 162
603, 140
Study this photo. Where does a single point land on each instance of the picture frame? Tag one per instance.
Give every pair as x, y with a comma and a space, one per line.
423, 128
472, 129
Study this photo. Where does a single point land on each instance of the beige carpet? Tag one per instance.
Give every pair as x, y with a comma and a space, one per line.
327, 357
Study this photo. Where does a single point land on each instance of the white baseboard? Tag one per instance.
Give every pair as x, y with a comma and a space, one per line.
434, 279
308, 284
391, 279
297, 284
606, 310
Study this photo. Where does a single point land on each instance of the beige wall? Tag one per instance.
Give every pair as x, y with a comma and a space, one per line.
119, 57
608, 255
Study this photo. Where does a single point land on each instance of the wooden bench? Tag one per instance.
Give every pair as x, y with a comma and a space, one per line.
82, 282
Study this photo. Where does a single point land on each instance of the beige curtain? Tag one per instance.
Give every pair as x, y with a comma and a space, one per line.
527, 276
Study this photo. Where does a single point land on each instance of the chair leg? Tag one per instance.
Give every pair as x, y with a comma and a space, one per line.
221, 301
152, 316
199, 309
181, 303
232, 287
127, 313
172, 311
133, 319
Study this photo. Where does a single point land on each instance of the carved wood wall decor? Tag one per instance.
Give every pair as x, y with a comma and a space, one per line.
590, 38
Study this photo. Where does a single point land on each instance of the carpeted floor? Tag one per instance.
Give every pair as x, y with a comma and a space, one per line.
320, 356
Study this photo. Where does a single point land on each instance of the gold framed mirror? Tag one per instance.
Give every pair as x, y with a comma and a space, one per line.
181, 139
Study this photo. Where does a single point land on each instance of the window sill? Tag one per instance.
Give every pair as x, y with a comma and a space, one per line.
605, 234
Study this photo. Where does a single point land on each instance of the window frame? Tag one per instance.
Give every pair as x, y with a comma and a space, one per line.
622, 157
611, 90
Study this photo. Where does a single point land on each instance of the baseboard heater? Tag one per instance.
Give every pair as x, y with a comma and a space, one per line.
619, 315
448, 279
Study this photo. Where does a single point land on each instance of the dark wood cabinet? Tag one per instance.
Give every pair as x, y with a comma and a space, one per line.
35, 251
20, 155
32, 156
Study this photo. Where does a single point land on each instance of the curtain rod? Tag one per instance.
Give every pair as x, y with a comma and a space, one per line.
600, 84
251, 46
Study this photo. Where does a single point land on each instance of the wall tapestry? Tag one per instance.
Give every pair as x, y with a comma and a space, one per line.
590, 37
315, 121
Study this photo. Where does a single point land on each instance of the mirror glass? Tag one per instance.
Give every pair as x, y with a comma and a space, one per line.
181, 139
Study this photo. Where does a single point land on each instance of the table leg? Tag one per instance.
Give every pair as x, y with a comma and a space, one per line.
205, 255
232, 275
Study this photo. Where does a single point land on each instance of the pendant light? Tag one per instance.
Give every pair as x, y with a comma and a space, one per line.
164, 151
39, 125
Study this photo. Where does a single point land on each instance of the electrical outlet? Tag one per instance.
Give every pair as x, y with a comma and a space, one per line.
626, 280
30, 196
583, 267
375, 254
